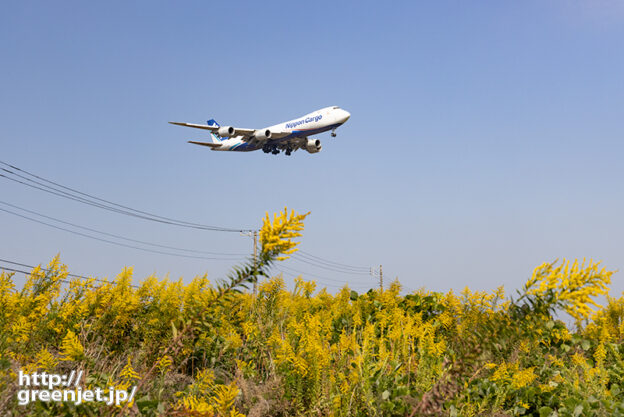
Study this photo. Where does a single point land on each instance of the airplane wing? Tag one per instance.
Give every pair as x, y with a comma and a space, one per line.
214, 129
293, 144
247, 134
209, 144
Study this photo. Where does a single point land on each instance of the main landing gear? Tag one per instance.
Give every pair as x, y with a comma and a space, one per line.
275, 151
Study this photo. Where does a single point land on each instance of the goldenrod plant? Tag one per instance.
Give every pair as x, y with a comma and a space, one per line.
206, 348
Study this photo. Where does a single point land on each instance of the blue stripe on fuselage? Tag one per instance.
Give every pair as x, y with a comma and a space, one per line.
300, 133
304, 133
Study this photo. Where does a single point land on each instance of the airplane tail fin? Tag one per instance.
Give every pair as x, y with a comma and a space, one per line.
215, 138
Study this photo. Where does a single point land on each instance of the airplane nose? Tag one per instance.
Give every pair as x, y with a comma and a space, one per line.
345, 116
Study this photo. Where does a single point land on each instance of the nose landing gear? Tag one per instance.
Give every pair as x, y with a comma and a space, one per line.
333, 133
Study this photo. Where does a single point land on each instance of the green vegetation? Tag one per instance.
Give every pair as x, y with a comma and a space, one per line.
213, 349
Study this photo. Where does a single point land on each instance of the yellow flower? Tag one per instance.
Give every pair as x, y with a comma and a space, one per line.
45, 360
277, 236
523, 378
233, 340
164, 363
71, 347
600, 354
128, 373
556, 361
208, 398
501, 373
579, 360
572, 285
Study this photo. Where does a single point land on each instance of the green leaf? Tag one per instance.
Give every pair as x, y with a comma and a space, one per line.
585, 344
145, 405
615, 390
385, 395
569, 403
578, 410
545, 412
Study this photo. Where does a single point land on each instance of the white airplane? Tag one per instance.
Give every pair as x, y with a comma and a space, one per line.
288, 136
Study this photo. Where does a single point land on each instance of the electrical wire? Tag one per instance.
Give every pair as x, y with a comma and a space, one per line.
63, 191
113, 242
115, 210
121, 237
108, 205
316, 265
298, 271
321, 264
47, 269
308, 255
325, 283
6, 268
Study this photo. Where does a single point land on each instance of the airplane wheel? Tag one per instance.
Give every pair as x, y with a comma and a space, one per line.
333, 135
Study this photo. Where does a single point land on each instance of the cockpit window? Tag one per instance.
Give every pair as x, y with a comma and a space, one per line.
335, 107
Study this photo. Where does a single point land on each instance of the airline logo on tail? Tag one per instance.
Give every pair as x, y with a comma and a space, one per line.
215, 137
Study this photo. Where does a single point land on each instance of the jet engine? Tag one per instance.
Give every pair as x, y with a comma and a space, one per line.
313, 146
262, 134
226, 131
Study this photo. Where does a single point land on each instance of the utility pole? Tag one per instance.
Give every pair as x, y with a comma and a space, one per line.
380, 278
254, 235
255, 258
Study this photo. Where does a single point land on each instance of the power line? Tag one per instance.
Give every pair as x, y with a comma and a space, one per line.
326, 284
63, 191
298, 271
118, 236
48, 269
110, 241
108, 205
317, 265
326, 261
330, 267
32, 267
113, 209
6, 268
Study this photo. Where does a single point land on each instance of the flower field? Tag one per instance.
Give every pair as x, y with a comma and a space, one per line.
217, 349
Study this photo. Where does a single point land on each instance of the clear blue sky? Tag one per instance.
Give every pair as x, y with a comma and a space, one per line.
485, 138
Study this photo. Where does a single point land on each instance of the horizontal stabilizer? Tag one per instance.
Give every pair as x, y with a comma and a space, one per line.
208, 144
211, 128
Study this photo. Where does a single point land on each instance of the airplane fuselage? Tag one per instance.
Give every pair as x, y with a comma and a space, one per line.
319, 121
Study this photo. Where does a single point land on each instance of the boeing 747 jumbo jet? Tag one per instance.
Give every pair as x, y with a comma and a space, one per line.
287, 137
